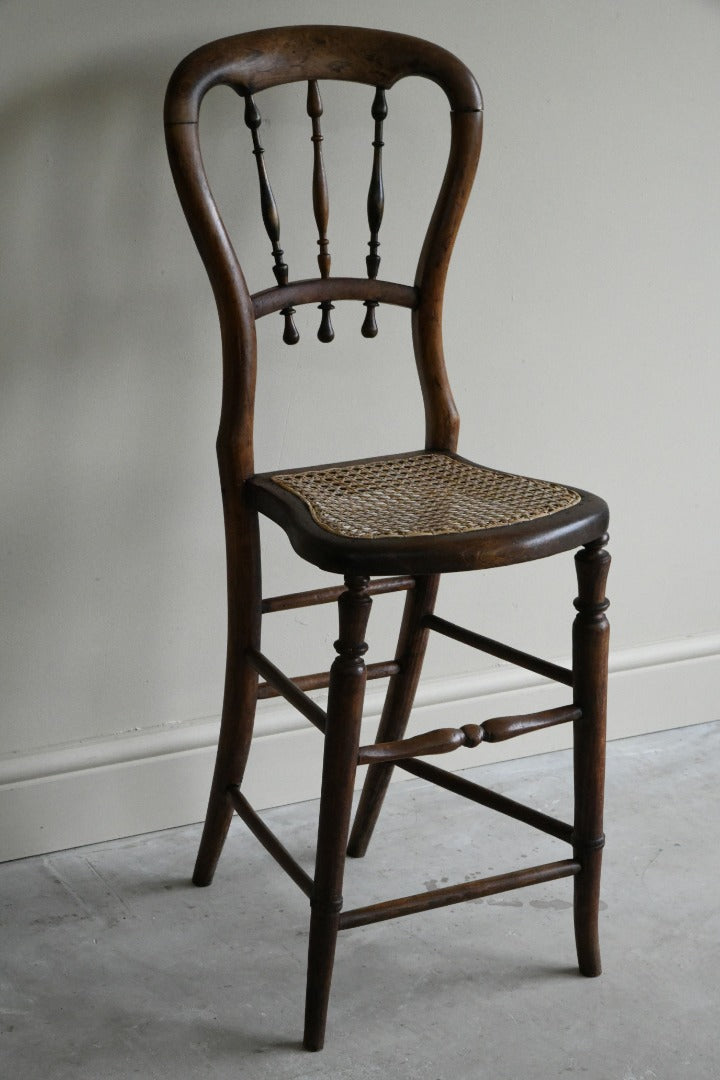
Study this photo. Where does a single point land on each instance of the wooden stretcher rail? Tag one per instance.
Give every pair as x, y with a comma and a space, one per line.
333, 592
439, 741
497, 648
383, 669
286, 688
500, 728
443, 740
485, 797
455, 894
269, 840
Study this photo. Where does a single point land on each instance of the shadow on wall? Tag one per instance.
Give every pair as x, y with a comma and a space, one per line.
111, 536
113, 612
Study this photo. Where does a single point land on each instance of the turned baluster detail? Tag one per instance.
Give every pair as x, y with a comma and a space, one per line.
321, 203
591, 633
342, 738
270, 216
375, 207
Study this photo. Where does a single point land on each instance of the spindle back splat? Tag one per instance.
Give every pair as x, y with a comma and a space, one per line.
321, 208
270, 216
375, 207
321, 204
316, 56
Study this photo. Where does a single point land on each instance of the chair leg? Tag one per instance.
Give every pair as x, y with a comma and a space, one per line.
342, 738
398, 704
241, 682
591, 633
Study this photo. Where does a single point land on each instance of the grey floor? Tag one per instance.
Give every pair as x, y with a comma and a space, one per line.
114, 966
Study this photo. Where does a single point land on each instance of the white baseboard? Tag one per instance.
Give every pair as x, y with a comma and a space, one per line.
158, 779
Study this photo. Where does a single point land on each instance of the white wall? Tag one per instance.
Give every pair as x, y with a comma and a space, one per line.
583, 331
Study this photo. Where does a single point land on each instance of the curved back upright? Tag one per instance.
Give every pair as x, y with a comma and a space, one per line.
249, 63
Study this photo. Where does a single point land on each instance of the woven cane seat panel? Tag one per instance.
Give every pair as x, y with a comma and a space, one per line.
429, 494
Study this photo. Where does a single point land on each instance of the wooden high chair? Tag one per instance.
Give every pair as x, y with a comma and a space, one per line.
386, 523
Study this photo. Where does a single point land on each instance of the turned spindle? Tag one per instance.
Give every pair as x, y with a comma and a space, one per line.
375, 207
270, 216
321, 203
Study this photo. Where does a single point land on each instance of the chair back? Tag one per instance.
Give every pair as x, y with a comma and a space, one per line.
250, 63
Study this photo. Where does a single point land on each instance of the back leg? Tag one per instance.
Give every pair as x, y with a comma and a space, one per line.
241, 682
411, 647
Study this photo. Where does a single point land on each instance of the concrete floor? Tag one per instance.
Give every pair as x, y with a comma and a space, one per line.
114, 966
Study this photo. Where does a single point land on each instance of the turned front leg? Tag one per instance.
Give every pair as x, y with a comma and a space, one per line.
591, 632
342, 739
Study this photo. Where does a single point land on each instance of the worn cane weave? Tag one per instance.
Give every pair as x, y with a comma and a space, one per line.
428, 494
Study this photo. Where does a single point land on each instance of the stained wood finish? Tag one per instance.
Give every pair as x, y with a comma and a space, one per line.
443, 740
498, 649
426, 555
248, 64
411, 647
459, 785
333, 593
321, 204
591, 639
241, 680
375, 207
345, 700
269, 841
376, 193
279, 55
270, 216
457, 894
312, 290
439, 741
500, 728
382, 669
288, 689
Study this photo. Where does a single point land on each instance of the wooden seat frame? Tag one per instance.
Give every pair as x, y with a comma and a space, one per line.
250, 63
